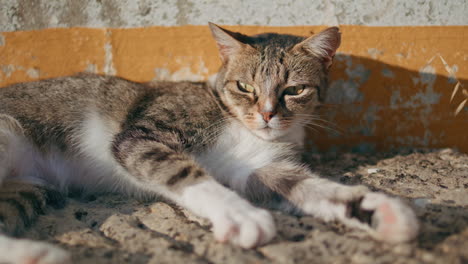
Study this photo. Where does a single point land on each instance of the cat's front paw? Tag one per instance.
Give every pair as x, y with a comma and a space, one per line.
244, 225
392, 220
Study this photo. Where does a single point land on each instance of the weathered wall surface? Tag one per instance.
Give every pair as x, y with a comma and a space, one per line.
38, 14
391, 86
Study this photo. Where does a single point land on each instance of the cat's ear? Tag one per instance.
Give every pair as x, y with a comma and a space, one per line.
323, 45
229, 43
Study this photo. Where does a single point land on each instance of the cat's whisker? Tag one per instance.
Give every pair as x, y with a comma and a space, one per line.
309, 124
310, 120
329, 105
313, 129
323, 127
314, 118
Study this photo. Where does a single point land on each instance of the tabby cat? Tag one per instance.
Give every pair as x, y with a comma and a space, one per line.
221, 150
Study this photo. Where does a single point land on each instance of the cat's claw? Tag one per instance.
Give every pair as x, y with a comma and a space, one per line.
392, 220
244, 225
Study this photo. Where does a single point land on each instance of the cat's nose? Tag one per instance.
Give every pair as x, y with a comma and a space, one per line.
267, 116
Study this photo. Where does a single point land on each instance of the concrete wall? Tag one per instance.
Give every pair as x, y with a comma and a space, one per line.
39, 14
391, 86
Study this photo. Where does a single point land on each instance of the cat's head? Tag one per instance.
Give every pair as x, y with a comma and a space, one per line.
272, 82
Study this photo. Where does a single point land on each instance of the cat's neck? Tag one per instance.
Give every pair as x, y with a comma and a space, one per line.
237, 153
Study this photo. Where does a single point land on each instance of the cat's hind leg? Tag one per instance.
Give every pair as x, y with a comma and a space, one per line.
22, 202
10, 132
19, 158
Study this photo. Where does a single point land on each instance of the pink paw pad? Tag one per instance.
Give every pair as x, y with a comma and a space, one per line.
388, 216
393, 220
225, 231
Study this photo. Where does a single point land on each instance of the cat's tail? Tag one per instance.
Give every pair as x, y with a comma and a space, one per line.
21, 203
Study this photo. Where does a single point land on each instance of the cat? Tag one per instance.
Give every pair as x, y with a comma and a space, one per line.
223, 151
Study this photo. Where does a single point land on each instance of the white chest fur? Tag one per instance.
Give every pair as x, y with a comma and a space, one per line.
237, 153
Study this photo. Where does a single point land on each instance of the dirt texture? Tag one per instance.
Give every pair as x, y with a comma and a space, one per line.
114, 229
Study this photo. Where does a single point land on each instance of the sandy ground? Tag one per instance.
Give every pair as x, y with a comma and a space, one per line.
113, 229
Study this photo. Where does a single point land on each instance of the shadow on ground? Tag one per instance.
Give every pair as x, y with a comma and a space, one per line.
113, 229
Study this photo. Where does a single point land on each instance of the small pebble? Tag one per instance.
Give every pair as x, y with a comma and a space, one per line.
421, 202
427, 257
402, 250
362, 259
373, 170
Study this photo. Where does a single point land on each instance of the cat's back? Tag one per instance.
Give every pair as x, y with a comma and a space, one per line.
107, 93
58, 95
51, 109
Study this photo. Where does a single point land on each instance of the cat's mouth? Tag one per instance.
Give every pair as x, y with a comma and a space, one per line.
265, 130
268, 132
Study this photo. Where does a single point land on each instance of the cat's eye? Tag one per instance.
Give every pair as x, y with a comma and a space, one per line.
247, 88
294, 90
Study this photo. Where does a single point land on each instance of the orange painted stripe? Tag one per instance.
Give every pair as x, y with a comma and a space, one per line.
403, 88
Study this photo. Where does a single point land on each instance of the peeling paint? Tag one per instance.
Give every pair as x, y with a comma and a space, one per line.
425, 140
33, 73
347, 90
426, 97
386, 72
108, 60
375, 53
162, 74
2, 40
452, 74
91, 68
427, 76
368, 124
184, 73
8, 70
358, 72
395, 99
343, 91
424, 115
403, 55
